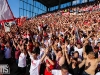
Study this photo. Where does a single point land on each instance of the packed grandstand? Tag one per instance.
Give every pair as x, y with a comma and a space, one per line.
64, 42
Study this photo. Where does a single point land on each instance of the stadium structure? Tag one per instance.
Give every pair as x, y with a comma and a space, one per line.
33, 8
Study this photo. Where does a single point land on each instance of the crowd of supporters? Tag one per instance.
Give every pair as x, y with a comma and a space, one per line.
54, 44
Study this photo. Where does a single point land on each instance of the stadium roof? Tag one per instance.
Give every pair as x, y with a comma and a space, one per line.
51, 3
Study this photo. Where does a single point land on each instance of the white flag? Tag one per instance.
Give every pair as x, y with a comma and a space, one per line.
5, 12
7, 26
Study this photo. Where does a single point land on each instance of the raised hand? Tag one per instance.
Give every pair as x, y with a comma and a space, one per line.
28, 47
86, 42
47, 49
63, 47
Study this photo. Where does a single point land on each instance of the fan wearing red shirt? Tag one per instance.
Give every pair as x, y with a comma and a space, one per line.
49, 66
2, 46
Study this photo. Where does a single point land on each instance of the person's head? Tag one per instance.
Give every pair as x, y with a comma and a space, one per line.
78, 45
67, 42
76, 54
98, 44
74, 61
71, 42
59, 53
88, 49
91, 55
37, 44
64, 69
96, 49
34, 54
57, 40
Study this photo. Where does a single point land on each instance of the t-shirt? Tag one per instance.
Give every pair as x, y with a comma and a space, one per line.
49, 68
22, 60
7, 53
34, 68
57, 72
74, 71
17, 53
2, 46
98, 73
79, 50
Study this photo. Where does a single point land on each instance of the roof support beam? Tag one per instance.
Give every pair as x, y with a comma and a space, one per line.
71, 3
59, 4
47, 9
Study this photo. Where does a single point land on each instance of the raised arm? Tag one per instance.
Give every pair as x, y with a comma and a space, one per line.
66, 54
22, 49
68, 61
54, 49
45, 53
62, 59
14, 44
84, 44
89, 36
51, 62
82, 63
29, 51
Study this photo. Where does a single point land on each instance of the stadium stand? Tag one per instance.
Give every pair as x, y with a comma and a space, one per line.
64, 42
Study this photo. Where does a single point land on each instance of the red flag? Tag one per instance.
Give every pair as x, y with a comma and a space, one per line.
2, 24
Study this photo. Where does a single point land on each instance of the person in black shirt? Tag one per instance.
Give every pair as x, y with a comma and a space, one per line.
96, 51
74, 65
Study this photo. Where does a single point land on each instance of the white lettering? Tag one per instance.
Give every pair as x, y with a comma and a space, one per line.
4, 69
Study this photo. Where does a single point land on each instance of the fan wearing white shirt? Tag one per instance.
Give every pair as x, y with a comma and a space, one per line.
98, 73
79, 49
35, 62
22, 60
63, 71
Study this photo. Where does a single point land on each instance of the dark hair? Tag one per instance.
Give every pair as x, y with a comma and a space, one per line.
57, 38
59, 51
75, 59
34, 52
64, 66
76, 52
91, 53
96, 47
98, 42
88, 49
37, 43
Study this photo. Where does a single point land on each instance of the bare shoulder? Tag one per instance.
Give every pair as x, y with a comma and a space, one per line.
98, 59
62, 58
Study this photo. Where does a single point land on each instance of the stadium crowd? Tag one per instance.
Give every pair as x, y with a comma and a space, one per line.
55, 44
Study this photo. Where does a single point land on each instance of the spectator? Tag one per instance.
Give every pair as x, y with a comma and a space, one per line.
63, 71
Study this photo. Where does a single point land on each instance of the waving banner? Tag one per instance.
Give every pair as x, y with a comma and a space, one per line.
5, 11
